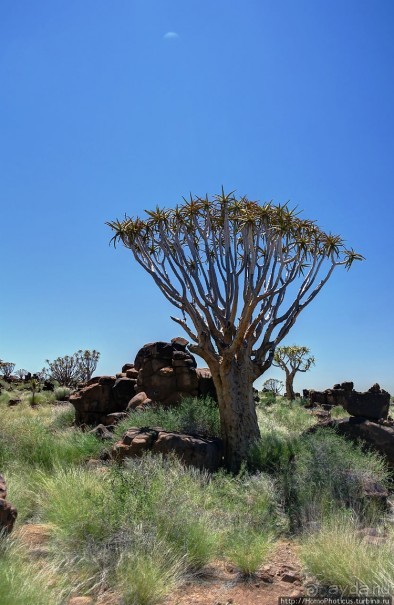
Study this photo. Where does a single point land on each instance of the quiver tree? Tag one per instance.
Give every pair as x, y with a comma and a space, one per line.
64, 370
21, 373
273, 385
71, 369
292, 359
87, 363
239, 273
6, 369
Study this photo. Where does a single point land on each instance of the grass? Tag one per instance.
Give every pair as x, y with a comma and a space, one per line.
141, 528
62, 393
193, 416
32, 437
248, 550
337, 556
23, 582
328, 473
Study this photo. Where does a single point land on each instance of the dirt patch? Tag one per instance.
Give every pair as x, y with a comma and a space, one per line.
221, 583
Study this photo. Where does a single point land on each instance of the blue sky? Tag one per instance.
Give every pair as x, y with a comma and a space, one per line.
101, 113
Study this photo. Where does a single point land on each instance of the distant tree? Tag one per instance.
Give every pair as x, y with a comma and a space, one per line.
71, 369
64, 370
21, 373
292, 359
273, 385
6, 369
241, 272
87, 363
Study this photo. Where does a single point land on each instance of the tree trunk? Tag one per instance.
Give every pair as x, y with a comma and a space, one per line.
238, 419
289, 386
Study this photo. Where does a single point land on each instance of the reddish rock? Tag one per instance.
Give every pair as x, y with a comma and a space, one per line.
193, 451
8, 513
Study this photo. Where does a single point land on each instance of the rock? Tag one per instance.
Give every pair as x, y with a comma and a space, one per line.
373, 404
290, 577
12, 402
123, 390
137, 400
101, 432
116, 417
193, 451
8, 513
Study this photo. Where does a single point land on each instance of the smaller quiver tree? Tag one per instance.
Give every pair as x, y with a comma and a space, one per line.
273, 386
87, 363
6, 369
292, 359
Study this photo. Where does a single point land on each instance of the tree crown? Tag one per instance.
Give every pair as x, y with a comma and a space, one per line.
228, 265
293, 358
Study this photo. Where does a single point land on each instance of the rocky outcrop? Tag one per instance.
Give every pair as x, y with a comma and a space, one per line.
8, 512
373, 404
167, 372
162, 374
192, 450
101, 397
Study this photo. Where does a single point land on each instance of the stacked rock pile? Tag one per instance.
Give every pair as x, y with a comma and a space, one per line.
373, 404
162, 374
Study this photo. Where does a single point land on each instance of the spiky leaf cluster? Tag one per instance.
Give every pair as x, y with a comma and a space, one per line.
293, 358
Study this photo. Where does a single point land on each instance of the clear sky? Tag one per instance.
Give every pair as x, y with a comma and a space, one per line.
113, 107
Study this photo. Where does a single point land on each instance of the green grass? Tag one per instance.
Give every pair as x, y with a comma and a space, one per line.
337, 556
194, 416
248, 550
31, 437
327, 474
62, 393
141, 528
24, 582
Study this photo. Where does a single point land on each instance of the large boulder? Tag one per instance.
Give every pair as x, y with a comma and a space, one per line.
192, 450
8, 513
101, 397
167, 373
